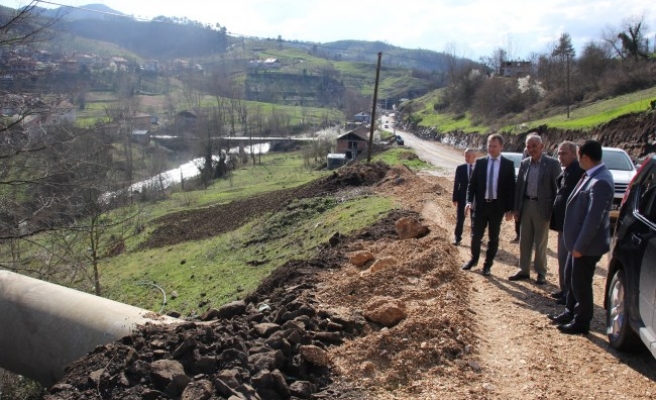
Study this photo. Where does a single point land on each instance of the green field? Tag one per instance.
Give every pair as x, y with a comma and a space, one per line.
210, 272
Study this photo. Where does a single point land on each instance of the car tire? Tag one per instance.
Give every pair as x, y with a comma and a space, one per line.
620, 334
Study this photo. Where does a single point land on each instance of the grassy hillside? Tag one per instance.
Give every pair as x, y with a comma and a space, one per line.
220, 269
582, 117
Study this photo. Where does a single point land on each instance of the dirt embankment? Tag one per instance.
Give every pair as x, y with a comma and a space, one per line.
635, 133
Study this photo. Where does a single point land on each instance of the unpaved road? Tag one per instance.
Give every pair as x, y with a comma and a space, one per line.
522, 355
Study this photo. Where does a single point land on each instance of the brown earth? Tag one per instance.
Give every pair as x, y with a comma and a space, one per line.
463, 336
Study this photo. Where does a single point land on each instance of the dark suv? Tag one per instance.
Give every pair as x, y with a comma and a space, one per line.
630, 300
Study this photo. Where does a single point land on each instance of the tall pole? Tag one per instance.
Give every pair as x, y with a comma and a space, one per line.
373, 108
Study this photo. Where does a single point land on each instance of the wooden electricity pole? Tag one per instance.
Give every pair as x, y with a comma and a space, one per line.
373, 108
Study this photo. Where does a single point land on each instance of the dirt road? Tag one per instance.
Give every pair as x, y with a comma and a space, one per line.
522, 355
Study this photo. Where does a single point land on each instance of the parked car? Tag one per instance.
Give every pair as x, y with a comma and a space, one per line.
630, 299
516, 158
623, 170
399, 140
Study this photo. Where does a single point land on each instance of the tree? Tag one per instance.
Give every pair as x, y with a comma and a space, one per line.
564, 53
628, 41
593, 62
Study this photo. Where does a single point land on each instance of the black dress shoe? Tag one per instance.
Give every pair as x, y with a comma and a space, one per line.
518, 277
486, 271
574, 328
561, 301
557, 294
456, 242
541, 280
468, 265
563, 318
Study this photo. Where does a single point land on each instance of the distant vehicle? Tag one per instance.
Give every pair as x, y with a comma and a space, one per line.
516, 158
399, 140
630, 299
620, 165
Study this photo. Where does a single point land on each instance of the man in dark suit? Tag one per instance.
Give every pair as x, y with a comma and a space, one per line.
534, 197
586, 233
491, 190
566, 183
459, 196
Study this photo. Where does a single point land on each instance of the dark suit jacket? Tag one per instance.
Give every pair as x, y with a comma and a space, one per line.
549, 171
566, 182
505, 187
460, 184
587, 223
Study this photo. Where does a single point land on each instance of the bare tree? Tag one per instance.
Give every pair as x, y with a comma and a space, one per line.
628, 41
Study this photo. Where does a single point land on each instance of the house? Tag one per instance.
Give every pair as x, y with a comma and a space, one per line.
515, 69
271, 63
353, 143
140, 136
362, 117
140, 121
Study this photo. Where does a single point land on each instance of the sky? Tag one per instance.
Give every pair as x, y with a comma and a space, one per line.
473, 28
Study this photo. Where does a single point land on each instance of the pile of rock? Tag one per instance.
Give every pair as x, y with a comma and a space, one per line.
254, 351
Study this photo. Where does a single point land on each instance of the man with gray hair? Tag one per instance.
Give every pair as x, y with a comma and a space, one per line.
566, 182
534, 197
459, 197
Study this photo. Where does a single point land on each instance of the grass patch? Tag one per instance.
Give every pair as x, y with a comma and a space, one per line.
213, 272
277, 171
598, 113
403, 156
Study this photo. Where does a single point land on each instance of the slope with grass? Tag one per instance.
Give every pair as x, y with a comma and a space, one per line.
213, 246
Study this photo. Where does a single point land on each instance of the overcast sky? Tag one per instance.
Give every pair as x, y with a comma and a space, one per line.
475, 27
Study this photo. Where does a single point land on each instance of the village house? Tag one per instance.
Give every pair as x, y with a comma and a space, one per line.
362, 117
140, 121
141, 136
353, 143
515, 69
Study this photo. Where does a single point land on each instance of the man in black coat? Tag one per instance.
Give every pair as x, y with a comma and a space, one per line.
566, 182
459, 197
491, 190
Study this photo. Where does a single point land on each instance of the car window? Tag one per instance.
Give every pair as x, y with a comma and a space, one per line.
617, 160
647, 190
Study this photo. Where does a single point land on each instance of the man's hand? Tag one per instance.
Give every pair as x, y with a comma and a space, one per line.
455, 203
509, 216
576, 254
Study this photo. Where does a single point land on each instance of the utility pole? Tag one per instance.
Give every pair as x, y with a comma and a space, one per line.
373, 111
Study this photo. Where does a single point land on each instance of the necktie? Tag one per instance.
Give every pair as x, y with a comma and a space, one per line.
469, 171
490, 180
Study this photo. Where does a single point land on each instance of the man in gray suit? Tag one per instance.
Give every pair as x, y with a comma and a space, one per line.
586, 234
534, 196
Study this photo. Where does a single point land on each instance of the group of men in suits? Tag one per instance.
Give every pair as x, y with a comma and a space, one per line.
569, 195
